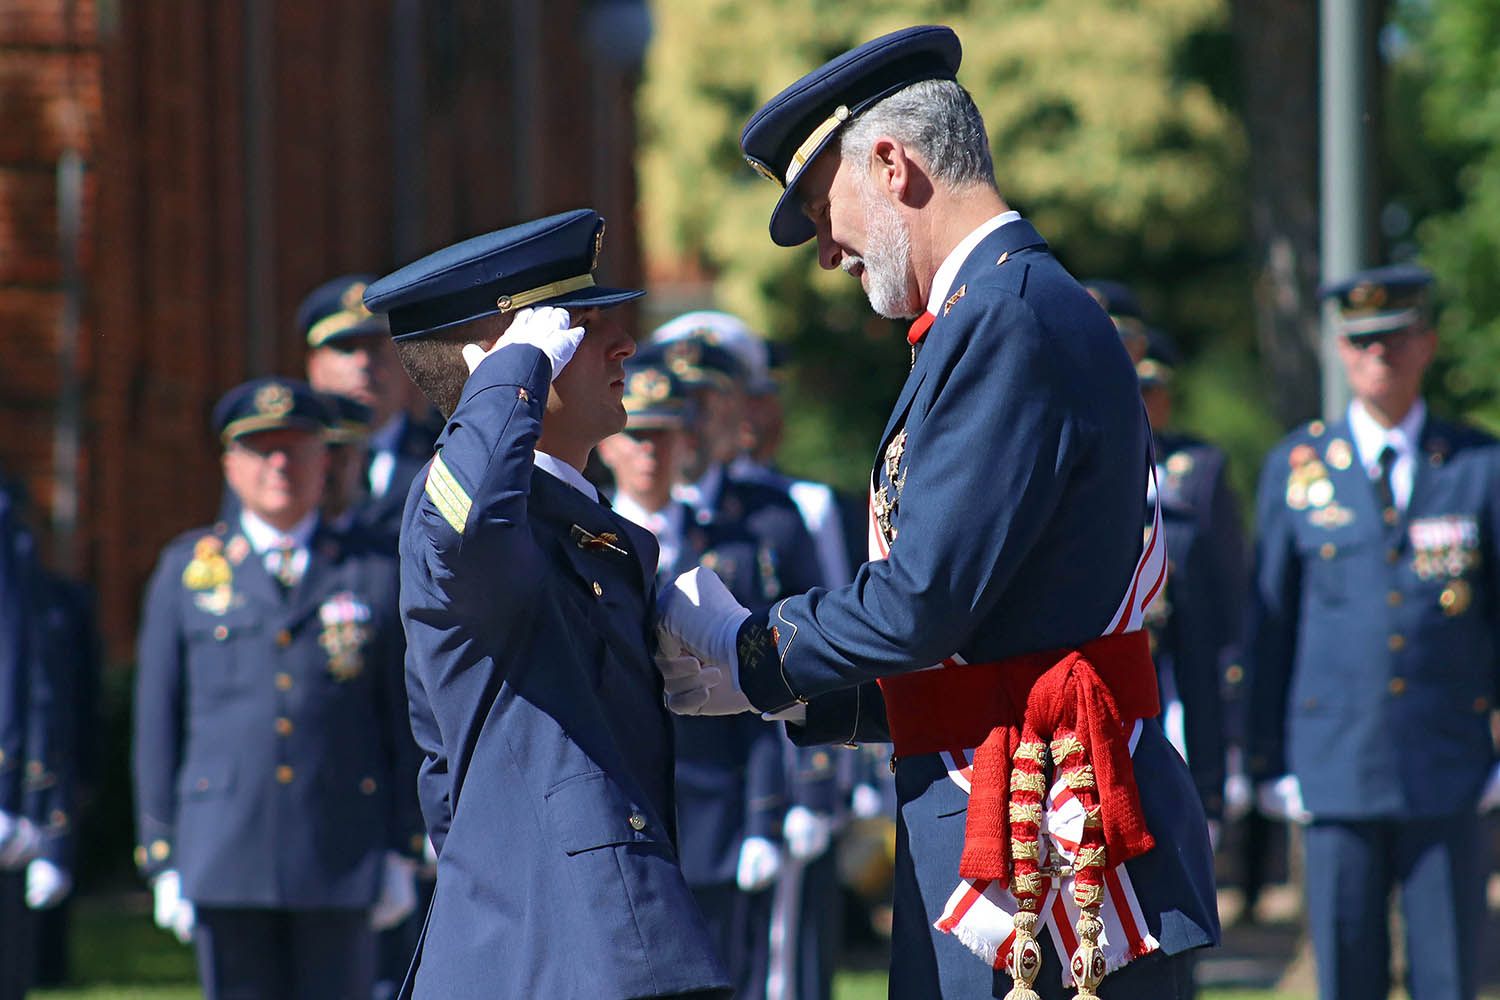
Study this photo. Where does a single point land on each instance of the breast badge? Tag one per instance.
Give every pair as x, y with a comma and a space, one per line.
209, 576
1308, 486
888, 496
1340, 456
346, 630
1444, 547
1455, 598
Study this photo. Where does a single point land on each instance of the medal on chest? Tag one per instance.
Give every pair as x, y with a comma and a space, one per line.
893, 481
345, 631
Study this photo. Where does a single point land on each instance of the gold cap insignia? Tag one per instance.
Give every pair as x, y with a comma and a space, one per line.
1367, 295
649, 386
764, 171
353, 299
598, 245
274, 400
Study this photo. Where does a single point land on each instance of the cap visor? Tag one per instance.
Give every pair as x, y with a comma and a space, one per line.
593, 298
790, 226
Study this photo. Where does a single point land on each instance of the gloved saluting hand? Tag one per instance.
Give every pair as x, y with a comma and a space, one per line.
549, 329
699, 615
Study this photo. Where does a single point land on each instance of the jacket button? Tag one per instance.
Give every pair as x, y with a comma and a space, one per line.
221, 633
1396, 643
1393, 598
284, 774
637, 821
1328, 550
283, 638
283, 682
598, 590
1392, 555
1397, 685
1481, 704
367, 785
159, 850
283, 727
1389, 515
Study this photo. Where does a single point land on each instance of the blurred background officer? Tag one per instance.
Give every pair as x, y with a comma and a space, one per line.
349, 353
528, 606
1373, 673
1195, 620
344, 489
273, 770
731, 780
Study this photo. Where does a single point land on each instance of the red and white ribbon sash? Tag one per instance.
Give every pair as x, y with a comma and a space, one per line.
979, 912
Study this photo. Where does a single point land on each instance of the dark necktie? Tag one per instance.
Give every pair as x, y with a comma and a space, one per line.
286, 565
1383, 493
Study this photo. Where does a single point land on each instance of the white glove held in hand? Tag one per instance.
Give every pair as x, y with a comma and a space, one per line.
1282, 799
699, 613
170, 910
46, 884
688, 683
1490, 798
398, 892
20, 841
807, 833
866, 802
760, 863
547, 328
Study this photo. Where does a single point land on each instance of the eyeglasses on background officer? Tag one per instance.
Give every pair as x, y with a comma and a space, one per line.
1373, 649
273, 763
529, 608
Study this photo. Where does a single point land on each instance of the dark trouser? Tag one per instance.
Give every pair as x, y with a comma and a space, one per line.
248, 954
395, 948
16, 935
1352, 867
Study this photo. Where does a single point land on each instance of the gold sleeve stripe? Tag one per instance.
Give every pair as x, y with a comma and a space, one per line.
447, 496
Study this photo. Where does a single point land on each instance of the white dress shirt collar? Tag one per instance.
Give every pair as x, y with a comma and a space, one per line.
562, 470
263, 537
955, 260
1370, 437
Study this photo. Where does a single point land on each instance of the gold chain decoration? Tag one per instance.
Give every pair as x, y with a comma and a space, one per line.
1088, 964
1027, 884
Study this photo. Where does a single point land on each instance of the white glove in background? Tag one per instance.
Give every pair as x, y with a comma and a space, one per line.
1490, 798
1282, 799
760, 863
46, 884
547, 328
20, 841
866, 802
170, 910
398, 892
807, 834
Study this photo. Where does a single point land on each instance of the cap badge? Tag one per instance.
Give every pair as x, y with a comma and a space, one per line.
598, 245
1367, 295
353, 299
649, 386
274, 400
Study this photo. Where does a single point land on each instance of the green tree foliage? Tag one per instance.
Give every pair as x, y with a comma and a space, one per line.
1112, 131
1451, 177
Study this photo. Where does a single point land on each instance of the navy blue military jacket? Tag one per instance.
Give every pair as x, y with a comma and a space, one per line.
1013, 477
731, 778
271, 755
547, 783
15, 673
1372, 664
1197, 618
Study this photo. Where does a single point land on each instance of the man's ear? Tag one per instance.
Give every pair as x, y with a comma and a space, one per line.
890, 166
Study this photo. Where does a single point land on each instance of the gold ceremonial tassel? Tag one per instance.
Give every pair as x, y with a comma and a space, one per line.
1025, 959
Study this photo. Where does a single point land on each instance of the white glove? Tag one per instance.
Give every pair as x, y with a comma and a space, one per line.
398, 892
46, 884
699, 613
1239, 796
170, 910
20, 841
1490, 798
760, 863
687, 682
866, 802
548, 328
807, 833
1214, 835
1282, 799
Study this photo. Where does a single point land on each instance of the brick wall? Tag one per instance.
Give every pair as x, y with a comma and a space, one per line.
237, 154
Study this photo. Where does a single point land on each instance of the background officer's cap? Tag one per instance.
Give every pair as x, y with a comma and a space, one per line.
348, 419
655, 399
269, 404
1120, 302
793, 127
335, 311
1161, 359
549, 262
694, 362
729, 332
1380, 300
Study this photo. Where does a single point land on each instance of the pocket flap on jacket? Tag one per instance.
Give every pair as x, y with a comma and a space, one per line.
589, 811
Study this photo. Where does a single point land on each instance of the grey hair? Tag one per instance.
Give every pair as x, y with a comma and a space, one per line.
938, 120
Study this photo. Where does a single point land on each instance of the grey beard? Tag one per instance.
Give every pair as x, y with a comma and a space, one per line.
889, 249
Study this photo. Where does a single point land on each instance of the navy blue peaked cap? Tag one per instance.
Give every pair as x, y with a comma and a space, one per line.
269, 404
1379, 300
695, 361
654, 397
335, 310
548, 262
1161, 359
349, 420
789, 132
